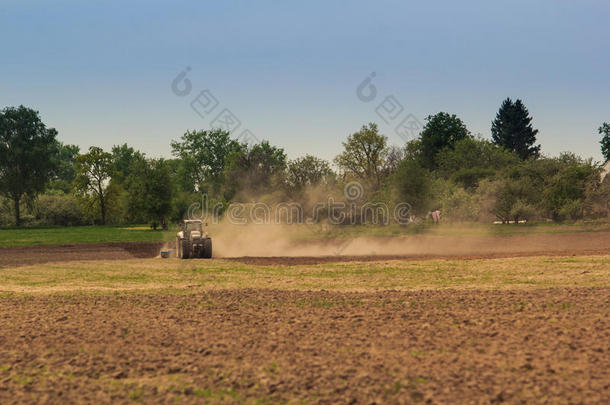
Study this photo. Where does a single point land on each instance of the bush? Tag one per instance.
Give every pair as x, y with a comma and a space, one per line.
457, 205
494, 203
571, 210
597, 198
521, 210
414, 184
62, 210
563, 196
470, 178
6, 214
472, 160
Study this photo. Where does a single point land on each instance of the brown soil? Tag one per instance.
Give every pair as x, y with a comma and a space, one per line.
408, 248
389, 347
26, 255
312, 260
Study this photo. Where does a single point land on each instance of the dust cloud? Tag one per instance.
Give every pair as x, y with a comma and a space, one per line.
234, 241
303, 240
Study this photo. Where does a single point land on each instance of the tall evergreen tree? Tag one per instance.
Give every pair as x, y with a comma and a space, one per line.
512, 129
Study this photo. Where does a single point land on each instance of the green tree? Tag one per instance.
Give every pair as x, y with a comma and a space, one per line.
604, 130
180, 176
393, 158
413, 184
123, 159
93, 171
441, 131
150, 190
254, 169
507, 199
566, 191
473, 159
204, 154
64, 173
456, 204
364, 155
557, 188
27, 151
512, 129
413, 150
306, 171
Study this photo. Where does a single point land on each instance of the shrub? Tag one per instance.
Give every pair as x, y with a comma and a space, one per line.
62, 210
6, 215
566, 190
458, 205
521, 210
571, 210
414, 184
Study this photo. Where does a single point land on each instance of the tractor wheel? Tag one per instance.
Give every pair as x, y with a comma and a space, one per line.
206, 252
185, 249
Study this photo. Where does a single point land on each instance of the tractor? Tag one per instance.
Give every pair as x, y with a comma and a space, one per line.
192, 241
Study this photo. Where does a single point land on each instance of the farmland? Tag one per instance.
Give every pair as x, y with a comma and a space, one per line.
125, 326
305, 203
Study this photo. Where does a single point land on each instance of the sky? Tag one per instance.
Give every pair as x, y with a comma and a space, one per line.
108, 72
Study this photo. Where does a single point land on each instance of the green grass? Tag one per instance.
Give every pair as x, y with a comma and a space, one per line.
81, 234
141, 233
184, 277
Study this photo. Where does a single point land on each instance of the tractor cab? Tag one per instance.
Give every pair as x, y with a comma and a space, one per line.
193, 241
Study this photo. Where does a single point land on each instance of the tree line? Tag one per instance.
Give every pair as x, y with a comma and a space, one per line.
46, 182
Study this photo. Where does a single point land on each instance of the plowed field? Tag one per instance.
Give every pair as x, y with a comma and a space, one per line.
519, 319
332, 251
315, 347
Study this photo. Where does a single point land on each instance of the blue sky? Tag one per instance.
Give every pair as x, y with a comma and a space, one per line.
101, 72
